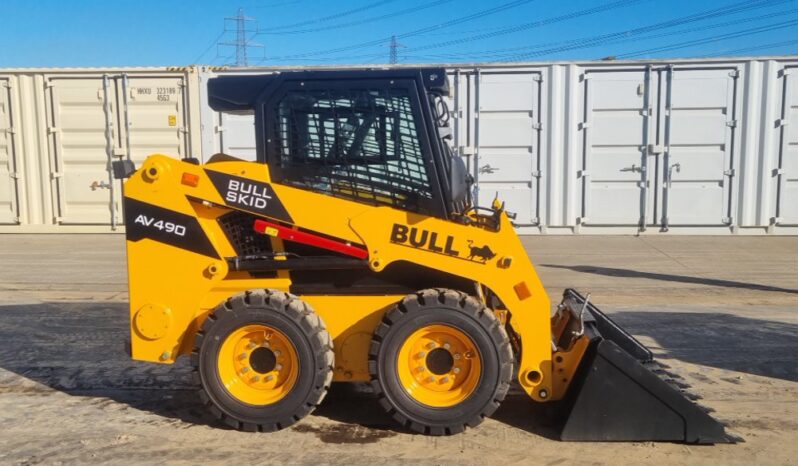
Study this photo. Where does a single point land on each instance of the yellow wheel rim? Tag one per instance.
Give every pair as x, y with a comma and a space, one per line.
258, 364
439, 366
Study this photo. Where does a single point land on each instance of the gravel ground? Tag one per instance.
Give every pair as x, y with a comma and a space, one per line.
722, 312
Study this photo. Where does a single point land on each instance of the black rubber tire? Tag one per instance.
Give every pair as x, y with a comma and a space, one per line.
294, 318
441, 306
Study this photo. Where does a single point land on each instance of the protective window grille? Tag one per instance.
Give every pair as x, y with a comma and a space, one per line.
358, 144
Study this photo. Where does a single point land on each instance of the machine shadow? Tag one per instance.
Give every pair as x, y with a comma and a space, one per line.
753, 346
78, 348
626, 273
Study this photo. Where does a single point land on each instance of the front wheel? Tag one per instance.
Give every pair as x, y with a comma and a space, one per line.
264, 360
440, 361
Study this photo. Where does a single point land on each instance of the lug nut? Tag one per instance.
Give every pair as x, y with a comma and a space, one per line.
469, 355
446, 346
445, 380
430, 379
431, 345
277, 353
242, 356
269, 378
421, 355
420, 369
265, 344
251, 346
456, 370
456, 355
278, 367
256, 378
245, 370
543, 393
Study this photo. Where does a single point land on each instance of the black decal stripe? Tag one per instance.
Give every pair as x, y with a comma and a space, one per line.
271, 207
194, 238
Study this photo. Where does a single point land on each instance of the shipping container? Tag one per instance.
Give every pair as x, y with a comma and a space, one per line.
65, 126
698, 146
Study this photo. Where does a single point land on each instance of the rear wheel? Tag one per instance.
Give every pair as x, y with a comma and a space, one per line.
264, 360
440, 361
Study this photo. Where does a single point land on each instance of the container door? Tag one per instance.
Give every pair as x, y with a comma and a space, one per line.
507, 159
81, 110
154, 111
8, 173
699, 133
787, 171
617, 170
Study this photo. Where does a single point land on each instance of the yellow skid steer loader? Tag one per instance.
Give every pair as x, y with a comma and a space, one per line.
352, 251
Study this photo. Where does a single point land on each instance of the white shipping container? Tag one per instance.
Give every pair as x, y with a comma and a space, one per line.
639, 147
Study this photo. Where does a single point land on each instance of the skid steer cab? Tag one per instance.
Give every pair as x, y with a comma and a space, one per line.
352, 251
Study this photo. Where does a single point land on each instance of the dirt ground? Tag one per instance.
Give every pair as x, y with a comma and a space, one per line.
721, 311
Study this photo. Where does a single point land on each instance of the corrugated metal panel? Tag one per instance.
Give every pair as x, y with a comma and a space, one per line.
787, 168
699, 127
507, 159
615, 132
8, 167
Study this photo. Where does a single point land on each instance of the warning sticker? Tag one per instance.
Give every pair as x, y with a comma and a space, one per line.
172, 120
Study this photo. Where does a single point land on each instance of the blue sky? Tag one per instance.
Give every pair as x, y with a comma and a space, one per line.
51, 33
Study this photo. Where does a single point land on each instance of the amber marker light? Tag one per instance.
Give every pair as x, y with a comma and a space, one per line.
190, 179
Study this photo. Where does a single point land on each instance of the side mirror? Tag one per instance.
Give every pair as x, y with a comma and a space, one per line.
123, 169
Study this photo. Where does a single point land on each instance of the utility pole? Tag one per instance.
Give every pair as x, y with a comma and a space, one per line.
242, 43
393, 52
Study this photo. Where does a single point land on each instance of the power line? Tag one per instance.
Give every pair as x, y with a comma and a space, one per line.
701, 16
772, 45
331, 17
707, 40
372, 19
215, 41
453, 22
504, 53
532, 24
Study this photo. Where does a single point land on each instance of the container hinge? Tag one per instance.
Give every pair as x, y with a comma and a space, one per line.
726, 220
55, 175
537, 126
537, 78
731, 123
535, 220
218, 129
183, 130
642, 184
729, 172
734, 73
48, 84
783, 73
52, 130
778, 171
7, 84
536, 173
655, 149
582, 174
118, 152
14, 175
782, 122
9, 130
583, 125
775, 220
